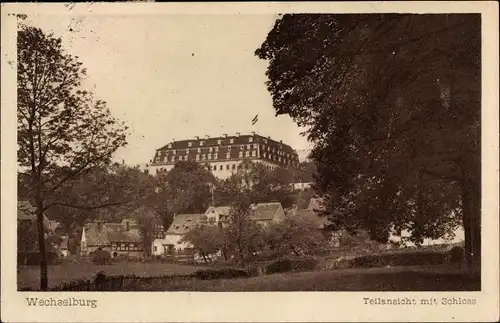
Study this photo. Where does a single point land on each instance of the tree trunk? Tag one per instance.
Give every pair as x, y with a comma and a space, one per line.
41, 244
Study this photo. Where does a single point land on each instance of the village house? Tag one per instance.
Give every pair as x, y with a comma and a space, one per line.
119, 239
218, 215
171, 243
266, 213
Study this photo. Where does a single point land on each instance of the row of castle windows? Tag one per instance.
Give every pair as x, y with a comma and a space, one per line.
219, 142
228, 156
242, 147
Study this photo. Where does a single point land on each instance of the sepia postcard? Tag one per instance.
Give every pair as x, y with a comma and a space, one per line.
250, 162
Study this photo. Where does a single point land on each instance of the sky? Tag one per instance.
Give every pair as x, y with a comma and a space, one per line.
173, 77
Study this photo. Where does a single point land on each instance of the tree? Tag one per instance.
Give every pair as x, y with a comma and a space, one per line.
392, 103
148, 220
207, 239
294, 235
63, 132
185, 188
243, 235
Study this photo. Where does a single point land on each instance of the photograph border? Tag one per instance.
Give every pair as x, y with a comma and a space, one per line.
253, 306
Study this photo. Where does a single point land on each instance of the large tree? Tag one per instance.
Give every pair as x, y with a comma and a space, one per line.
63, 132
392, 103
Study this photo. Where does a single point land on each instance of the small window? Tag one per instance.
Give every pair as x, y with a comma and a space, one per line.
234, 166
254, 153
229, 148
203, 157
197, 157
173, 151
201, 143
172, 159
210, 149
209, 156
169, 145
199, 150
228, 155
241, 154
231, 141
247, 154
249, 146
216, 149
156, 248
219, 142
189, 145
265, 141
250, 139
216, 156
221, 167
215, 167
255, 146
227, 166
242, 147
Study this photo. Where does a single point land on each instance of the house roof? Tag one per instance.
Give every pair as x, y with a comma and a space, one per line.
316, 204
64, 242
27, 212
265, 211
182, 223
311, 216
103, 234
224, 210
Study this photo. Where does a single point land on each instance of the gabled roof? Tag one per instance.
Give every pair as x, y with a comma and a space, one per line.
316, 204
265, 211
103, 234
222, 210
311, 216
27, 212
182, 223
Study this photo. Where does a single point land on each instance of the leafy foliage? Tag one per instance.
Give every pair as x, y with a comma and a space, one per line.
392, 104
207, 239
62, 131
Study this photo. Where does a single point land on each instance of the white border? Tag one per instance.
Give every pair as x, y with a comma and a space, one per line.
257, 306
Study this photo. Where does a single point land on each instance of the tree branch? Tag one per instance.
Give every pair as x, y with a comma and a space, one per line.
82, 207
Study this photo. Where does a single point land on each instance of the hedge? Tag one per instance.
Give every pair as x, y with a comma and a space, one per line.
291, 264
221, 273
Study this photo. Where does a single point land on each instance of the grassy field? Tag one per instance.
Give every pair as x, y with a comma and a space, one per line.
423, 278
28, 276
373, 279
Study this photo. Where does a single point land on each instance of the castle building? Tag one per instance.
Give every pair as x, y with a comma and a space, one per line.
223, 155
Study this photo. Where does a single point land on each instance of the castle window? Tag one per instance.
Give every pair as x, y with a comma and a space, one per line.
210, 149
254, 153
247, 154
265, 141
229, 148
242, 147
221, 167
227, 166
228, 155
201, 143
209, 156
173, 151
255, 146
199, 150
231, 141
197, 157
215, 167
169, 145
216, 156
217, 149
234, 166
190, 144
203, 157
250, 139
219, 142
172, 159
249, 146
241, 154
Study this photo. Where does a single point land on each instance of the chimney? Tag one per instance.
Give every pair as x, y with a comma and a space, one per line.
207, 137
123, 161
281, 141
224, 135
253, 133
268, 137
237, 134
197, 138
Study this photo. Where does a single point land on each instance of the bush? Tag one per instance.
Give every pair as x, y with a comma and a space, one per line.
297, 264
456, 255
101, 257
33, 259
221, 273
413, 258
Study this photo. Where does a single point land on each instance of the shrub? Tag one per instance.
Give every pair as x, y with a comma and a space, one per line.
413, 258
221, 273
456, 255
294, 264
101, 257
